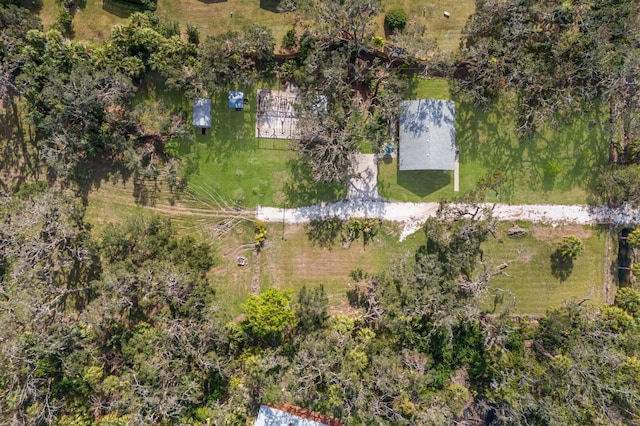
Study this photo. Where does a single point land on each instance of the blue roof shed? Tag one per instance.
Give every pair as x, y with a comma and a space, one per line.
236, 100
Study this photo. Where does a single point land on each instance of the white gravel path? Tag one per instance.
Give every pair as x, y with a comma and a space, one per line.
413, 215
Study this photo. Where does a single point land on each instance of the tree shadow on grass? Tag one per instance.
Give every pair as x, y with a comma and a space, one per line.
324, 233
486, 137
34, 6
120, 9
561, 267
301, 190
19, 157
90, 176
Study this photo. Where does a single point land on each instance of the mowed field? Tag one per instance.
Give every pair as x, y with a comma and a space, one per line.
95, 18
299, 257
532, 284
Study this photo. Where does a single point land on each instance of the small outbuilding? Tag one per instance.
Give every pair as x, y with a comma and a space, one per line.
202, 114
236, 100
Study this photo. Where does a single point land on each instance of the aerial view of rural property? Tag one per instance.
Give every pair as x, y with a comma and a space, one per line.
319, 212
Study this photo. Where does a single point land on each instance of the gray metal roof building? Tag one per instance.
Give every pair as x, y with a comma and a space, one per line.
427, 135
202, 113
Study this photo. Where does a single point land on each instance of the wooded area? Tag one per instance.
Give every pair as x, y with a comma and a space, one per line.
124, 326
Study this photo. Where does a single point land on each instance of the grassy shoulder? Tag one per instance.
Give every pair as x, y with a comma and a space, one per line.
554, 167
533, 283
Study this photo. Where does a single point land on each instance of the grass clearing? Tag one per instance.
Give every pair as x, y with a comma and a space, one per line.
487, 141
533, 286
297, 260
446, 31
95, 18
215, 17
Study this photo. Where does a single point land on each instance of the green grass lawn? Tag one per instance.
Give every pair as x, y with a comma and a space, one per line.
487, 141
230, 163
532, 285
300, 259
446, 31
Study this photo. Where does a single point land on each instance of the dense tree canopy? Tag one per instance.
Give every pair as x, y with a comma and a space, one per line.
124, 327
558, 58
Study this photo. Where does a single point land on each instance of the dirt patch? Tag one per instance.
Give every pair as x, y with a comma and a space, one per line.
345, 309
526, 257
555, 233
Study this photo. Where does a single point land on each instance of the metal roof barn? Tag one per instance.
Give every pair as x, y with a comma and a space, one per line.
427, 135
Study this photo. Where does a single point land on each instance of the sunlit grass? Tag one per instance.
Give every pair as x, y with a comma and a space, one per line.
487, 142
531, 283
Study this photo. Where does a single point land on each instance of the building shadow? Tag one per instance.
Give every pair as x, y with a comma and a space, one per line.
270, 5
423, 182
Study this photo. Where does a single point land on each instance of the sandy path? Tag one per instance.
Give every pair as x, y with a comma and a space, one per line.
413, 215
364, 183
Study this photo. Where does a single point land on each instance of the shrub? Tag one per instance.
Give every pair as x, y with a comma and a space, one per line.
289, 41
570, 247
552, 168
396, 19
260, 236
379, 42
193, 34
64, 22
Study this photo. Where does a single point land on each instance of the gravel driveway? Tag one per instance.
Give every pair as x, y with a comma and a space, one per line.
413, 215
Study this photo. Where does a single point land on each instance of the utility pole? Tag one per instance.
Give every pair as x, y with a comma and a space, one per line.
283, 212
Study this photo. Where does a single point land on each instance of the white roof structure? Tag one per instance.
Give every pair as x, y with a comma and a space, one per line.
269, 416
427, 135
202, 112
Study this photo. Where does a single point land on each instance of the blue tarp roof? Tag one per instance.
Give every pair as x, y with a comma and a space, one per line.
202, 112
236, 99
